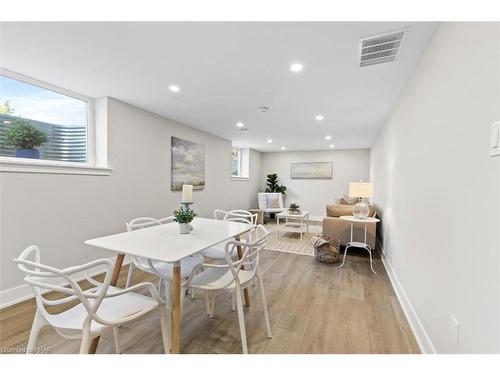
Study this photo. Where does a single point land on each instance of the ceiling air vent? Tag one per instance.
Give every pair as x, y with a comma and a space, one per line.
380, 48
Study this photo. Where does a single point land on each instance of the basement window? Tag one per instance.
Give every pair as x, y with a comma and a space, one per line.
240, 163
43, 127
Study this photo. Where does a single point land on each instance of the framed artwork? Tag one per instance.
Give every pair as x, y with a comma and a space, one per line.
311, 170
188, 164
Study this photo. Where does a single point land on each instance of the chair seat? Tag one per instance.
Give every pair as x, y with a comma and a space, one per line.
217, 278
218, 251
166, 270
112, 308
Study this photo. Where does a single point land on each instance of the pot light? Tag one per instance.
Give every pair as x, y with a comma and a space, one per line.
296, 67
332, 146
328, 137
269, 141
174, 88
319, 117
240, 124
283, 148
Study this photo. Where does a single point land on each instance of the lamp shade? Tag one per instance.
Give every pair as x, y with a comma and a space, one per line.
360, 189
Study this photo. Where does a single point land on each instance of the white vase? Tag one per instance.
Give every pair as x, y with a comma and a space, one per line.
184, 228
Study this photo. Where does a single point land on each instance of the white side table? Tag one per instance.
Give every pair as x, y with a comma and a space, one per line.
364, 245
294, 227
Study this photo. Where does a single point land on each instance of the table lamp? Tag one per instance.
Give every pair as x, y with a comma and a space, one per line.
360, 190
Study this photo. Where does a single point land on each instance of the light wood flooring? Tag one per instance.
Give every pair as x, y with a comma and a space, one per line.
314, 308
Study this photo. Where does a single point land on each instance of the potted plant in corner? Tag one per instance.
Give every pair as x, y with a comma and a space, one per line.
25, 138
184, 216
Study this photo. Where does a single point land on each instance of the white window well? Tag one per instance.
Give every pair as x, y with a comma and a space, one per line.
240, 163
45, 129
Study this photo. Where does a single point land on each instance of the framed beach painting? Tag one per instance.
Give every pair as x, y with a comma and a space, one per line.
188, 164
311, 170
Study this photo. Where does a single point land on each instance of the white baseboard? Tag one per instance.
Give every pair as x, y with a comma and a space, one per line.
23, 292
423, 340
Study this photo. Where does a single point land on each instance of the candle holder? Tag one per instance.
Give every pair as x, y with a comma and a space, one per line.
186, 205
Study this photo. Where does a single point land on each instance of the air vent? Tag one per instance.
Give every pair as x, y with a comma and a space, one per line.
380, 48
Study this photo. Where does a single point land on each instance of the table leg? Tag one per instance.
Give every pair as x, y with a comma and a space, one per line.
245, 291
114, 279
301, 227
277, 226
176, 309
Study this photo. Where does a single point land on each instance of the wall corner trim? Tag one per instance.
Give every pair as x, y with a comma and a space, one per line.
423, 340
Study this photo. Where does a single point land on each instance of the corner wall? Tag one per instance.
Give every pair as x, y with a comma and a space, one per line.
59, 212
438, 191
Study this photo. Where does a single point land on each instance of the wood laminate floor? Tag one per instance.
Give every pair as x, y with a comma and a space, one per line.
313, 307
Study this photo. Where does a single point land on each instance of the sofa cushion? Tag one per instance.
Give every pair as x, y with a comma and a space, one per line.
337, 210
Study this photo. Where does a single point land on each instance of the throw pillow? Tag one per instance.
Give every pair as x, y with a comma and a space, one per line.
273, 201
349, 200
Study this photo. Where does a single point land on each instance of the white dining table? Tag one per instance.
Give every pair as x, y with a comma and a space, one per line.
164, 243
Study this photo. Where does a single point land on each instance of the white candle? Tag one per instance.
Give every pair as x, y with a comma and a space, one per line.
187, 194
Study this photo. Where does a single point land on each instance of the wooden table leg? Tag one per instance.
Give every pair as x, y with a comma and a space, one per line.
176, 309
114, 279
245, 291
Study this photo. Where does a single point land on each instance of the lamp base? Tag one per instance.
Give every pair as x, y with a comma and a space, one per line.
360, 210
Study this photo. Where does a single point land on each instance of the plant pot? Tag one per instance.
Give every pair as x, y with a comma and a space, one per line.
184, 228
28, 153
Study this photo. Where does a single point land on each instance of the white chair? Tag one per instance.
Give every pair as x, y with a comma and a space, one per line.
217, 252
101, 308
236, 275
164, 271
267, 202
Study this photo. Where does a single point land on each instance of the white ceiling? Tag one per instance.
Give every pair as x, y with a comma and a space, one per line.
227, 70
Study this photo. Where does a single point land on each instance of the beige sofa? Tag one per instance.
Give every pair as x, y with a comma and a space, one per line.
333, 226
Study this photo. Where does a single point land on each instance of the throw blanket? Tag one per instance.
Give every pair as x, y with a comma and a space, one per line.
318, 241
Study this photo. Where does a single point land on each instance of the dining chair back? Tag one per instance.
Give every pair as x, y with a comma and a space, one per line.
236, 275
100, 307
144, 264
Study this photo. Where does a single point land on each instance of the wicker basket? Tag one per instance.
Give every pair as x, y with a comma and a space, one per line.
328, 252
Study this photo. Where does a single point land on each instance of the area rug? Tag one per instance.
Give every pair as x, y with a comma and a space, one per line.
291, 242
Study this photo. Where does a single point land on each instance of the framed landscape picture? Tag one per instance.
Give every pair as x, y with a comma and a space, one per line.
188, 164
311, 170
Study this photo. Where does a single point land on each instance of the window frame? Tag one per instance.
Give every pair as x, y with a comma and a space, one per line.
13, 164
244, 157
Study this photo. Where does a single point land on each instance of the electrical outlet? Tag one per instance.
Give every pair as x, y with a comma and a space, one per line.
454, 330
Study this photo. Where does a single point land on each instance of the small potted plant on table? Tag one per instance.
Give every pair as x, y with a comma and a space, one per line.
294, 208
25, 138
184, 216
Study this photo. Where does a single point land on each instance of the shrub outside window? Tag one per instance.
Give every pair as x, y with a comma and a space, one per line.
38, 121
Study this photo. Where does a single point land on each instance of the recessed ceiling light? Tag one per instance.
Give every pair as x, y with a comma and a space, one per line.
283, 148
332, 146
328, 137
240, 124
319, 117
269, 141
174, 88
296, 67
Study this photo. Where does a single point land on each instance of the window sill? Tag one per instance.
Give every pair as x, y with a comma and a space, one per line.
8, 164
234, 178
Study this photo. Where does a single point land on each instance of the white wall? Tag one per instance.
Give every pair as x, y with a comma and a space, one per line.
438, 191
59, 212
314, 195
